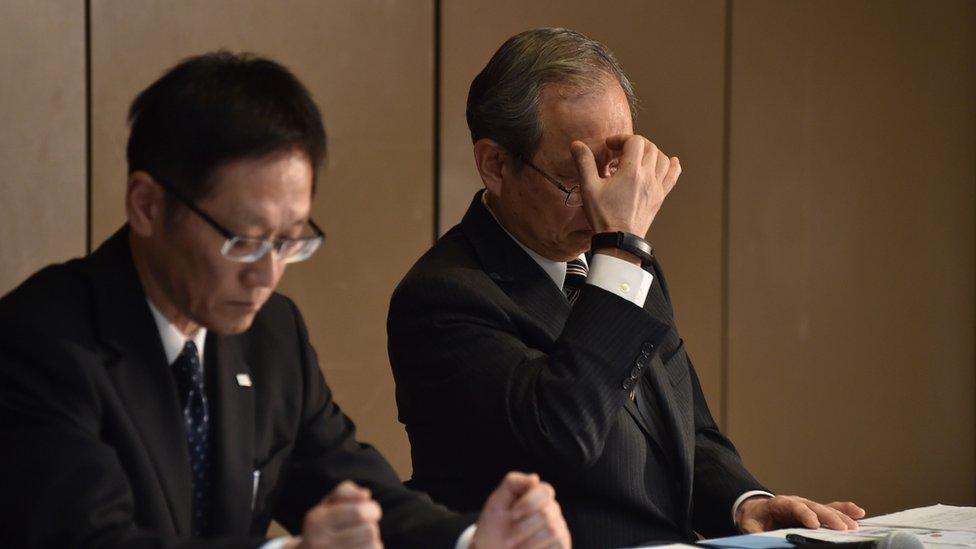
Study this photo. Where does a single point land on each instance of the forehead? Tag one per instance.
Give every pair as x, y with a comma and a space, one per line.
569, 114
281, 181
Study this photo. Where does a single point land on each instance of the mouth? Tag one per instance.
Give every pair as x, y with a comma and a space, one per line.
245, 306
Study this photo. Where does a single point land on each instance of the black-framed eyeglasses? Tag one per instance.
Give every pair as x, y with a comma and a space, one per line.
574, 199
244, 249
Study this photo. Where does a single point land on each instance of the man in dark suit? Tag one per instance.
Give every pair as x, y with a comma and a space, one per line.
505, 358
158, 393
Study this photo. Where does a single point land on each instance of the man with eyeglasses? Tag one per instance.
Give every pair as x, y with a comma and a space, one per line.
158, 393
508, 335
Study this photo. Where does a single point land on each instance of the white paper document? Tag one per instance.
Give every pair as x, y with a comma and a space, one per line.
934, 517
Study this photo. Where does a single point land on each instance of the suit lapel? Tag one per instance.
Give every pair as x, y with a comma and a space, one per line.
233, 411
517, 274
141, 376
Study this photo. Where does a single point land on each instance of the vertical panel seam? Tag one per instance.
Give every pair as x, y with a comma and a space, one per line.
88, 129
437, 122
724, 360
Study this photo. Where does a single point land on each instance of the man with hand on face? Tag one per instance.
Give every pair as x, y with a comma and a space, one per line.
158, 393
558, 360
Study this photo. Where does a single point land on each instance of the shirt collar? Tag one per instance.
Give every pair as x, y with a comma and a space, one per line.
173, 339
555, 269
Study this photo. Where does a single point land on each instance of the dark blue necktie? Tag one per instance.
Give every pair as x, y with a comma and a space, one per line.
576, 271
189, 381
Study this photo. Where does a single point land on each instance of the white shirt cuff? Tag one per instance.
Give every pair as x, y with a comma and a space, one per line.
465, 539
743, 497
276, 543
620, 277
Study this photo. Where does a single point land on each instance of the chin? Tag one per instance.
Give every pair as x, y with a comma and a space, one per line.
231, 326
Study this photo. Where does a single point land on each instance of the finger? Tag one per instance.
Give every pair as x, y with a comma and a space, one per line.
848, 508
510, 488
348, 491
363, 535
671, 177
349, 515
828, 517
534, 500
616, 142
520, 483
585, 163
803, 514
541, 539
634, 152
526, 528
661, 164
651, 163
316, 522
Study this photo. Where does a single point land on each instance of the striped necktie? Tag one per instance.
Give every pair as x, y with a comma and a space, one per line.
575, 278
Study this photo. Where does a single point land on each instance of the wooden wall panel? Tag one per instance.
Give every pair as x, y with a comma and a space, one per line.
674, 54
42, 146
852, 248
369, 65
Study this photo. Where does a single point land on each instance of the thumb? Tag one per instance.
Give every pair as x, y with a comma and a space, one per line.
520, 483
750, 526
512, 486
348, 491
585, 163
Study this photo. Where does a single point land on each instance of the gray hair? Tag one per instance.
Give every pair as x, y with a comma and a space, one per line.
503, 102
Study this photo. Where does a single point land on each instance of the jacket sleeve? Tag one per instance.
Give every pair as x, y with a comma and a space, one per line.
450, 337
326, 452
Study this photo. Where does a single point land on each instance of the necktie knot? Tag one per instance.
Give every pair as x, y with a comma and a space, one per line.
575, 279
189, 374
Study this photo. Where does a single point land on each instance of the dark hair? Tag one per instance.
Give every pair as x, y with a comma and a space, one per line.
503, 102
216, 108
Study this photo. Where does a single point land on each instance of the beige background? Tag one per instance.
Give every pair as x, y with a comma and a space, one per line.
42, 140
851, 248
819, 246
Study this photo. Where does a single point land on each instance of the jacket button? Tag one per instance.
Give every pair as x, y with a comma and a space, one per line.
646, 348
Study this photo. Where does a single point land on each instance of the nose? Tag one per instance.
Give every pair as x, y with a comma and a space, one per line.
266, 271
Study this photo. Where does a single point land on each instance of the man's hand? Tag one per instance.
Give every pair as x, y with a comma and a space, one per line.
762, 513
347, 518
628, 199
521, 513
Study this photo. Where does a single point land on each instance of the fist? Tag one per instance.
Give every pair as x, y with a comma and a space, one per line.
347, 518
521, 513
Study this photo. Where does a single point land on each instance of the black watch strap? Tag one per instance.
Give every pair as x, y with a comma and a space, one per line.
630, 243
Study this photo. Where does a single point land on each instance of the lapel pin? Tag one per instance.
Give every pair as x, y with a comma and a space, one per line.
244, 380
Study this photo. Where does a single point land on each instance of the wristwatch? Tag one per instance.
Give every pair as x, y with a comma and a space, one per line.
630, 243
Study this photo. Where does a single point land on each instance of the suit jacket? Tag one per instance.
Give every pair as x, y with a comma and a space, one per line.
495, 371
94, 449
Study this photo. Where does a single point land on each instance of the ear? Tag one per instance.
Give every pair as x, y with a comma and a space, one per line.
492, 162
143, 203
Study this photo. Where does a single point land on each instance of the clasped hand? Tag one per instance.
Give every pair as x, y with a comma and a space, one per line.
521, 513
